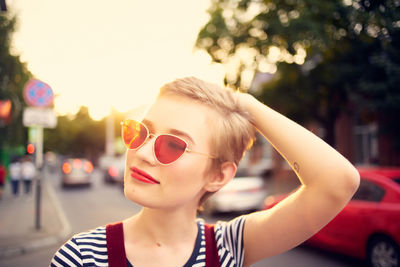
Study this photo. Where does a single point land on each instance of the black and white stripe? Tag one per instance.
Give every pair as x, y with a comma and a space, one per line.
84, 249
229, 238
201, 256
90, 248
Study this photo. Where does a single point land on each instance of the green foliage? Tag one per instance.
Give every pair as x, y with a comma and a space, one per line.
352, 55
13, 75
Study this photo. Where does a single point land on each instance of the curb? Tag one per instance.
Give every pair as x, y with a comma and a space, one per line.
45, 241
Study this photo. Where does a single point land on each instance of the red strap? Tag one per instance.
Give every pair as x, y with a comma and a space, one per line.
115, 245
212, 258
116, 249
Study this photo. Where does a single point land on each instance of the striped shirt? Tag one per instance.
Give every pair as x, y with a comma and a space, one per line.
90, 248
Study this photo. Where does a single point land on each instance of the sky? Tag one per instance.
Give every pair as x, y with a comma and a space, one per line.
104, 54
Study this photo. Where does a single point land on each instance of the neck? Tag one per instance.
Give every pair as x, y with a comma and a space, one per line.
168, 227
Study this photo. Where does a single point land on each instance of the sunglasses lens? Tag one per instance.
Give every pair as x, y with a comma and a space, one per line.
168, 148
133, 133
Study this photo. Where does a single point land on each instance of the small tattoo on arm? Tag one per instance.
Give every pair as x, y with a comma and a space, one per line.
296, 167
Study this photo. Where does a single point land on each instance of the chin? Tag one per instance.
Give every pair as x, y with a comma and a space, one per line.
131, 192
137, 196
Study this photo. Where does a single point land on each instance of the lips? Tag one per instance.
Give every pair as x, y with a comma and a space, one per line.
142, 176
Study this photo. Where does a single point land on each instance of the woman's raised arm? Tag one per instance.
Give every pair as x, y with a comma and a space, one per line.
328, 181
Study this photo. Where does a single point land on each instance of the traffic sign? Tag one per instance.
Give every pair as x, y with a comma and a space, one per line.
39, 96
38, 93
35, 116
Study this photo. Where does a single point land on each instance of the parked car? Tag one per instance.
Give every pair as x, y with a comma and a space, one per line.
113, 168
241, 194
76, 171
247, 190
369, 226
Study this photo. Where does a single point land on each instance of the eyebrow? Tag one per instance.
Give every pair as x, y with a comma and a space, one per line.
171, 130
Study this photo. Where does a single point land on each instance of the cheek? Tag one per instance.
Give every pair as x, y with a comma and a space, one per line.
129, 156
186, 173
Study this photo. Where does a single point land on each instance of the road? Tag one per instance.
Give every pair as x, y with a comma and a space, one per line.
87, 208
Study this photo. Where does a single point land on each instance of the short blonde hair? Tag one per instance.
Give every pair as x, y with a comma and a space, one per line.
234, 132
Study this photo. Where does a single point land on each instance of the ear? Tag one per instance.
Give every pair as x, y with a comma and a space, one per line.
221, 177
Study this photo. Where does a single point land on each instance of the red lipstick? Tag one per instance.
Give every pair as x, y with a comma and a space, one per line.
142, 176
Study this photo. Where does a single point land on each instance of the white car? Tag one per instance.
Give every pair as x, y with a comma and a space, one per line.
76, 171
240, 195
247, 191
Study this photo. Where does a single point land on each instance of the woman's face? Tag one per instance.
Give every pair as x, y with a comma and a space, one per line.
182, 182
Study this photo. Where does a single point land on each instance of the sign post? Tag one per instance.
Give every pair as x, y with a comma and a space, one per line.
39, 96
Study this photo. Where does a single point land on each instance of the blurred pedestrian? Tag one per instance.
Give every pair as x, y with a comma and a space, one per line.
28, 172
15, 175
3, 173
187, 147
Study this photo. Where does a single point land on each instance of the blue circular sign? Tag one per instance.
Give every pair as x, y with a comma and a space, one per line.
38, 94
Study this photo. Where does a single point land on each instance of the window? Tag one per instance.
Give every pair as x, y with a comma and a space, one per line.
366, 142
369, 191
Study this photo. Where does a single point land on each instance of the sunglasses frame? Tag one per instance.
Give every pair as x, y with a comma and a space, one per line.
155, 136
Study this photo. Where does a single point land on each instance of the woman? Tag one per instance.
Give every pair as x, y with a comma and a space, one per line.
187, 147
28, 172
15, 175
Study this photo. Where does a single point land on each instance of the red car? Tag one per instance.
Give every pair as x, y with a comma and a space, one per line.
369, 226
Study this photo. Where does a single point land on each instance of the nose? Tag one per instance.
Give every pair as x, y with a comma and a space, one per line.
145, 152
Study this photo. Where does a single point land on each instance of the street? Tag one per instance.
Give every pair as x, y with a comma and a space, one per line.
88, 207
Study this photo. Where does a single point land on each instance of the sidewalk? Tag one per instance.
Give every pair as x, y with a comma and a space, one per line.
18, 233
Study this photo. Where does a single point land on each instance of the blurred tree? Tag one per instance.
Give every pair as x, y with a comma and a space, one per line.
325, 55
77, 136
13, 76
